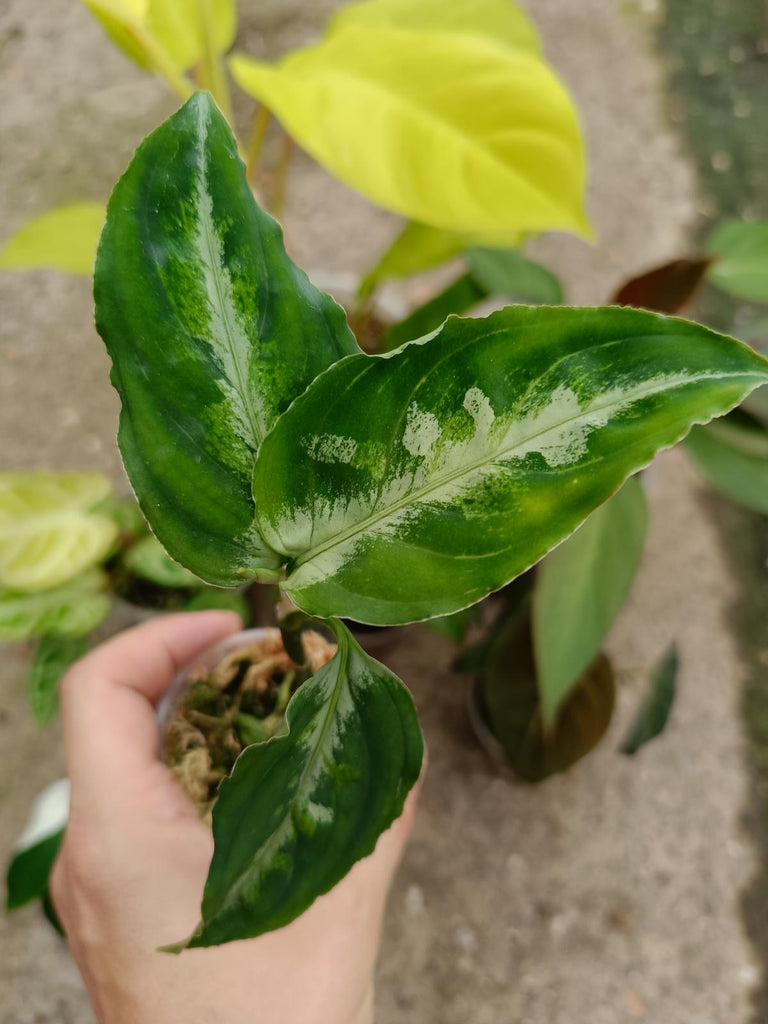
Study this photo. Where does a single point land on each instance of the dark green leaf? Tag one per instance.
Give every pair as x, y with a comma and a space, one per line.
580, 588
664, 289
29, 871
654, 713
299, 811
458, 297
410, 485
456, 626
733, 455
507, 273
212, 331
510, 702
36, 850
53, 657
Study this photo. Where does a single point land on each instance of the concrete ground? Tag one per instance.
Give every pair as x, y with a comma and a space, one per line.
608, 895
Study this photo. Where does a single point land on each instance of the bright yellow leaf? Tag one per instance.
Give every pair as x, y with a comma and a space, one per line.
64, 238
499, 20
48, 531
446, 128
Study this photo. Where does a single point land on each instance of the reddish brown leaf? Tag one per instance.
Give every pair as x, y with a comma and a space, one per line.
664, 289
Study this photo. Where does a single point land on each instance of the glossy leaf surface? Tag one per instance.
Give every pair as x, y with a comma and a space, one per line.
72, 609
733, 455
62, 239
580, 588
511, 706
53, 657
448, 128
654, 714
481, 448
741, 267
212, 331
298, 811
48, 533
509, 273
500, 21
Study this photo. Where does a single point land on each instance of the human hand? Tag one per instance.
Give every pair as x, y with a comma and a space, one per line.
131, 870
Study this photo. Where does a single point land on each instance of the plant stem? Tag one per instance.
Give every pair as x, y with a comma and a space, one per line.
281, 176
256, 141
212, 73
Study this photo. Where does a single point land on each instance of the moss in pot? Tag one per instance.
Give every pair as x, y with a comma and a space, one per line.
235, 695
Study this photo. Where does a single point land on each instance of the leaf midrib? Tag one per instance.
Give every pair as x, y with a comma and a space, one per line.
287, 819
206, 222
413, 497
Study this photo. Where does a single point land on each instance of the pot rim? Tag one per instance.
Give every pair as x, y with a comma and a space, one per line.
208, 659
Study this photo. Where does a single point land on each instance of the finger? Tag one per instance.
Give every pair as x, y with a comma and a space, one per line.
147, 657
110, 729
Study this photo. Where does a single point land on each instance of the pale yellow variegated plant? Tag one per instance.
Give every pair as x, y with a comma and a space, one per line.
49, 531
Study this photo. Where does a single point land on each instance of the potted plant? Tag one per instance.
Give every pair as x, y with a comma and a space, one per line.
263, 444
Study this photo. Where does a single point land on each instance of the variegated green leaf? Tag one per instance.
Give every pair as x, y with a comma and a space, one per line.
63, 239
580, 588
480, 448
72, 609
298, 811
212, 332
48, 533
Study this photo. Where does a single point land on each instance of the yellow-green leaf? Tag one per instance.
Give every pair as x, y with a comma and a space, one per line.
419, 248
447, 128
64, 238
48, 533
165, 35
123, 21
502, 21
176, 25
